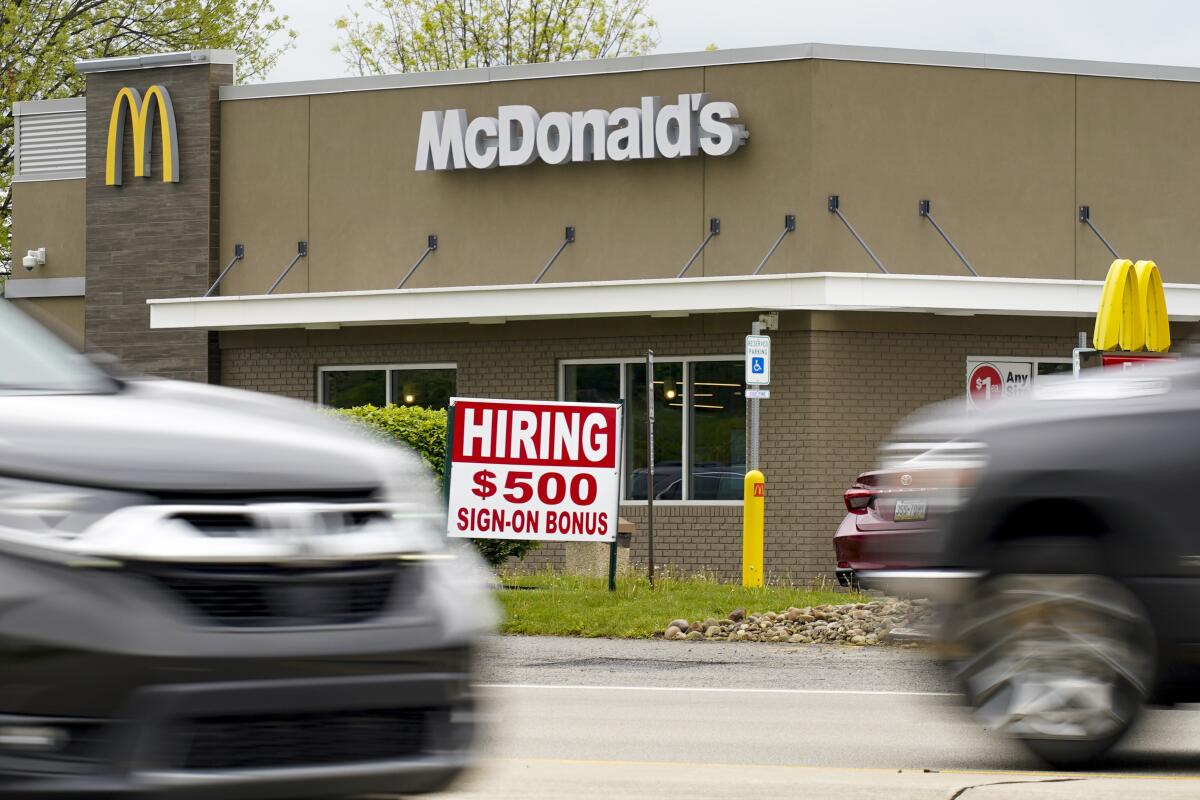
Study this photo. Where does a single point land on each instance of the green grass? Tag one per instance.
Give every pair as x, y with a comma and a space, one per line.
548, 604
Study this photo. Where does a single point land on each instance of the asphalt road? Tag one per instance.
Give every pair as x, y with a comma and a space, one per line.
620, 719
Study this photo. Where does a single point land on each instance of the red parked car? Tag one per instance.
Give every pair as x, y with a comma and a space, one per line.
892, 517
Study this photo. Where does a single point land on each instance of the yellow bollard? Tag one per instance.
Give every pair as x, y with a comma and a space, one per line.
754, 493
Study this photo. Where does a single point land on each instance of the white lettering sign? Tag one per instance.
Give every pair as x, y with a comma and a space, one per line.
989, 381
518, 135
758, 360
530, 470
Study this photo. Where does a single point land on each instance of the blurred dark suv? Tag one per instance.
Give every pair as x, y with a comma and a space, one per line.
1069, 557
212, 593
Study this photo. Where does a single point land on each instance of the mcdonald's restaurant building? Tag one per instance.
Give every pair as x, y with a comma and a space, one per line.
567, 200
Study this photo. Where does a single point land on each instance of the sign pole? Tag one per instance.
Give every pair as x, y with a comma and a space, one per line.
755, 330
448, 463
754, 489
612, 548
650, 462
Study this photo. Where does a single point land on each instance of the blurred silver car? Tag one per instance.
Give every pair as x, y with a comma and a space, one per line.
211, 593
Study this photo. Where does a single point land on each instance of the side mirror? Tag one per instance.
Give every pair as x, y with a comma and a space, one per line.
110, 365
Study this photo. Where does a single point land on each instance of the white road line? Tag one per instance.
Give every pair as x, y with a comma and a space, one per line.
711, 690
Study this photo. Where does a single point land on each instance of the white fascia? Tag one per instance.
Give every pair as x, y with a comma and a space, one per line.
812, 291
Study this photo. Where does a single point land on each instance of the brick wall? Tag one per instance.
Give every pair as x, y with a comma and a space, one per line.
836, 394
857, 386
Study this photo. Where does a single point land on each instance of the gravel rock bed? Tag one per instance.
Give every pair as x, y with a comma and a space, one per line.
857, 624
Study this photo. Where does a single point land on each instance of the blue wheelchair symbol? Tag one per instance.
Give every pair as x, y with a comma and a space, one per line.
758, 365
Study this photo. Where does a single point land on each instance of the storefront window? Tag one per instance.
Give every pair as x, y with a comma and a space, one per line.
1053, 368
699, 433
354, 387
718, 432
592, 383
427, 388
424, 386
669, 399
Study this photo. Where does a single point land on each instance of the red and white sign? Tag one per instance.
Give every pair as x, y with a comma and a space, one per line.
1134, 360
988, 381
534, 470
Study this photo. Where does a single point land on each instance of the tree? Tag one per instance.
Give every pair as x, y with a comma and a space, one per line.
40, 40
422, 35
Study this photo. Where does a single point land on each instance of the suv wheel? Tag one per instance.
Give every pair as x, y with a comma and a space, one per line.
1061, 662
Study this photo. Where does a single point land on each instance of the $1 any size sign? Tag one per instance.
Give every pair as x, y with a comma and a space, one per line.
534, 470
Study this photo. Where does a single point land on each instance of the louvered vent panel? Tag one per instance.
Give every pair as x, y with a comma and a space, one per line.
50, 143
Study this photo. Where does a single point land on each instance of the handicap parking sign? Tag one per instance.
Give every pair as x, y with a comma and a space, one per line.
758, 360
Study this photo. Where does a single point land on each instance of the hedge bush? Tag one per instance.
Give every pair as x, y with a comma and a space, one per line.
424, 430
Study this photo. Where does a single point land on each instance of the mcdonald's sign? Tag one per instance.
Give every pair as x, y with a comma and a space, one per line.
1133, 309
142, 111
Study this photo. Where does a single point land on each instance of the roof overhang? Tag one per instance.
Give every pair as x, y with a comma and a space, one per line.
811, 291
706, 58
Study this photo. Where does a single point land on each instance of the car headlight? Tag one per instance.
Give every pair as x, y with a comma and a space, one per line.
43, 520
419, 509
31, 508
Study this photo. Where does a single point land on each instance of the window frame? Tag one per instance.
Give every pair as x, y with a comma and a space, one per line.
387, 375
686, 362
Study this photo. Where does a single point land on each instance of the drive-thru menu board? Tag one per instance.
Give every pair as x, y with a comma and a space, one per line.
534, 470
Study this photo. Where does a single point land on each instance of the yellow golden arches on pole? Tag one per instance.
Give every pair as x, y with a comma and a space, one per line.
1133, 309
129, 102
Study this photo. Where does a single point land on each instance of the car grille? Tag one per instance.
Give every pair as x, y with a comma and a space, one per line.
305, 739
263, 596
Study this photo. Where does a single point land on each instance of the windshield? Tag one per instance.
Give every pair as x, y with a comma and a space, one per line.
34, 361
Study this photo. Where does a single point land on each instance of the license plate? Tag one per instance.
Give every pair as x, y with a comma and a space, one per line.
909, 511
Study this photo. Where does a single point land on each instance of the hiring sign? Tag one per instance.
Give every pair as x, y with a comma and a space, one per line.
534, 470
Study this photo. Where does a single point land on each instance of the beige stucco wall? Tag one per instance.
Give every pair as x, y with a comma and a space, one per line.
264, 192
992, 151
1006, 157
366, 211
49, 214
1140, 173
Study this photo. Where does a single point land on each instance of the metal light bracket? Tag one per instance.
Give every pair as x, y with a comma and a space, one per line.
714, 229
923, 209
301, 252
430, 245
1085, 216
239, 252
568, 238
789, 226
835, 205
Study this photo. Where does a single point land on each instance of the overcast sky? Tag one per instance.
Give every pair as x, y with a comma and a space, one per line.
1144, 31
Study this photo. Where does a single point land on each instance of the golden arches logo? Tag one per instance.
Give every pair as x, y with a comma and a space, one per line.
129, 103
1133, 309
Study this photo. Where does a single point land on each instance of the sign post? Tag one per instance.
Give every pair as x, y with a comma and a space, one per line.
650, 463
754, 490
532, 470
758, 375
753, 499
